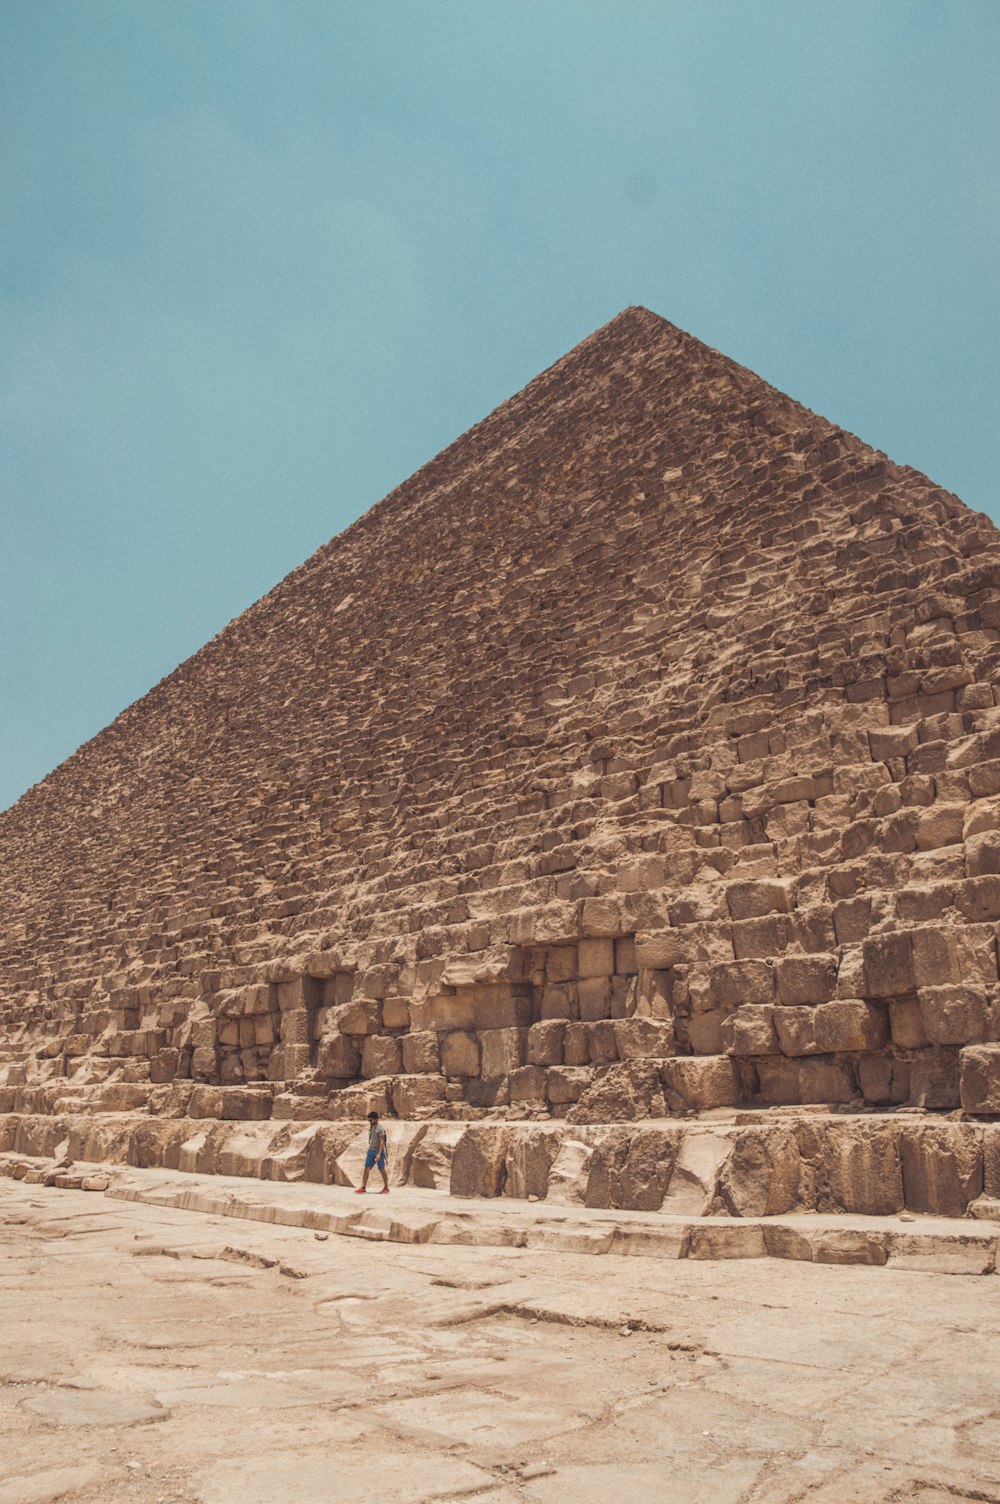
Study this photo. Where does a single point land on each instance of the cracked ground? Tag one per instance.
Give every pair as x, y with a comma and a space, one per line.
173, 1358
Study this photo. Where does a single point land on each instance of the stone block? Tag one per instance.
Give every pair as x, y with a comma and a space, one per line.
596, 958
337, 1057
459, 1054
750, 1031
849, 1025
906, 1023
381, 1055
735, 983
700, 1083
978, 899
430, 1164
752, 900
395, 1013
479, 1161
503, 1051
888, 964
361, 1017
796, 1031
625, 956
559, 1000
942, 1167
980, 1079
303, 992
602, 1046
863, 1168
561, 964
759, 938
295, 1027
502, 1007
565, 1084
527, 1086
823, 1078
417, 1096
421, 1052
777, 1080
659, 949
852, 920
955, 1015
806, 979
982, 854
636, 1038
594, 998
545, 1042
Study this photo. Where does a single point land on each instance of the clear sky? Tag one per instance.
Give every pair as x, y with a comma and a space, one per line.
260, 259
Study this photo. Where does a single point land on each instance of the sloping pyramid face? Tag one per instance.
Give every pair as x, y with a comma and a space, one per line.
639, 756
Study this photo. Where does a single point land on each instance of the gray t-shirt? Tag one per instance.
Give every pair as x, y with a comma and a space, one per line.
376, 1137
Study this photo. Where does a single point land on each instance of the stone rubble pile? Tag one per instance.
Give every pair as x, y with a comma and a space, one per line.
637, 758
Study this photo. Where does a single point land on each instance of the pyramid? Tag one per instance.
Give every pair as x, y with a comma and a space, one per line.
637, 761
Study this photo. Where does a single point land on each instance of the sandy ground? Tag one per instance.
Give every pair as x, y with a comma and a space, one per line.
161, 1356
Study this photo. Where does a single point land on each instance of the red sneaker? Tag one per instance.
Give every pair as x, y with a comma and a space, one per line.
359, 1190
384, 1191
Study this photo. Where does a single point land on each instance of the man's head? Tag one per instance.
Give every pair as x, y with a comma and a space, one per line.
373, 1117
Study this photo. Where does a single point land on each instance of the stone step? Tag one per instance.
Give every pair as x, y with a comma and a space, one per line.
919, 1244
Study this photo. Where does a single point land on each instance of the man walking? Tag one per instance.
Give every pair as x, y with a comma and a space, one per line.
378, 1154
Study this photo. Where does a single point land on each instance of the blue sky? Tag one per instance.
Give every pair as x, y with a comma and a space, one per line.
260, 259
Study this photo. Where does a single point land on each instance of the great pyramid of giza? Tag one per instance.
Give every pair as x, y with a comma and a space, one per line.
638, 758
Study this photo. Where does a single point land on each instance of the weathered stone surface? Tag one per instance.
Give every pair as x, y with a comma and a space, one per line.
560, 786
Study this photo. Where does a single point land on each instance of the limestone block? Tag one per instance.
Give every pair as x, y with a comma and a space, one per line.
888, 964
978, 899
561, 964
736, 983
417, 1096
545, 1042
906, 1024
942, 1167
824, 1078
295, 1027
696, 1083
955, 1015
980, 1078
421, 1052
704, 1032
863, 1168
759, 938
796, 1031
596, 958
624, 996
361, 1017
621, 1093
602, 1046
594, 998
631, 1170
888, 742
504, 1006
567, 1083
338, 989
527, 1085
760, 1176
430, 1166
503, 1050
395, 1013
849, 1024
625, 956
659, 949
337, 1057
636, 1038
939, 826
884, 1079
982, 854
381, 1055
934, 1077
288, 1154
752, 900
444, 1011
460, 1054
750, 1031
576, 1044
852, 920
531, 1153
303, 992
806, 979
559, 1001
569, 1173
479, 1161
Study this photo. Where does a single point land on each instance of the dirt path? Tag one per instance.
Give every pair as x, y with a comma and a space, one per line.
171, 1358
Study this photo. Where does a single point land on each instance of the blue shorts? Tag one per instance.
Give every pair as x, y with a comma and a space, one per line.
373, 1158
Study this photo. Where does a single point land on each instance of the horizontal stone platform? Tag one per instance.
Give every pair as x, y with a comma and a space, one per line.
734, 1164
906, 1242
